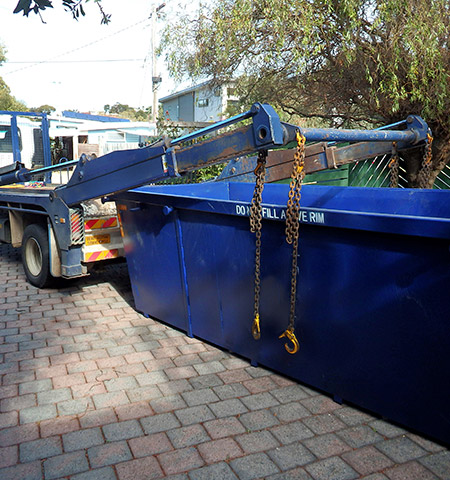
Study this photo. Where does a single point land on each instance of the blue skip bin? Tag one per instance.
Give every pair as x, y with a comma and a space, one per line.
373, 313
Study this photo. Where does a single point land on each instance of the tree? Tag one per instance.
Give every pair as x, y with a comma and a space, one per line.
73, 6
125, 111
7, 101
340, 62
48, 109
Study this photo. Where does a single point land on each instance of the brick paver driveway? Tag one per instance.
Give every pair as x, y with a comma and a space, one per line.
90, 389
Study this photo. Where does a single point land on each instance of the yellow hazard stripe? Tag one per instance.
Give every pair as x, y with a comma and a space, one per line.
102, 255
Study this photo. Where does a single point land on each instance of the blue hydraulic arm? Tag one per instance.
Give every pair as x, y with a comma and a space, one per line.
126, 169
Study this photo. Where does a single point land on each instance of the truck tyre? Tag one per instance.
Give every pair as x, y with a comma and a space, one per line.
35, 256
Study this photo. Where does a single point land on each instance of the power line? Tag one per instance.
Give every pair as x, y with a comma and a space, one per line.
80, 61
31, 65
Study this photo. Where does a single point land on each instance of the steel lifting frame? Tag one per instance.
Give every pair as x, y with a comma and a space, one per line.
122, 170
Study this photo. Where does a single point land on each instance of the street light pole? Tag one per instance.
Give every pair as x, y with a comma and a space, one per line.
156, 80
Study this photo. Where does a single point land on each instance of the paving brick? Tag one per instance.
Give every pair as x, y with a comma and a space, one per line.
8, 456
258, 385
145, 468
224, 427
199, 397
179, 461
51, 372
294, 474
121, 383
352, 417
209, 367
258, 465
291, 456
234, 376
40, 449
438, 463
109, 454
331, 468
122, 430
327, 445
98, 418
75, 407
255, 442
180, 372
257, 372
82, 439
151, 378
54, 396
258, 420
198, 414
188, 436
175, 386
66, 464
134, 410
223, 449
359, 436
139, 357
320, 404
367, 460
68, 380
18, 403
290, 412
37, 414
411, 470
105, 473
144, 393
205, 381
10, 419
159, 364
185, 360
291, 432
218, 471
159, 423
81, 366
150, 445
58, 426
19, 377
231, 390
23, 471
425, 443
227, 408
401, 449
10, 391
325, 423
87, 389
259, 401
111, 399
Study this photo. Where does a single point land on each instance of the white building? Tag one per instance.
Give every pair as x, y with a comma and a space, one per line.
198, 104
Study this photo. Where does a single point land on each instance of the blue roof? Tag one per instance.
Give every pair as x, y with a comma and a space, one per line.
88, 116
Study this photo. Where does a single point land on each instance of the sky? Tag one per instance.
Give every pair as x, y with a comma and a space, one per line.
83, 65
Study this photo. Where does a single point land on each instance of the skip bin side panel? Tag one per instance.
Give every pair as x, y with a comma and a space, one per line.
372, 319
152, 253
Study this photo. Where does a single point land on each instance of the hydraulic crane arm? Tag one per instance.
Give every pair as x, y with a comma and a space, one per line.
126, 169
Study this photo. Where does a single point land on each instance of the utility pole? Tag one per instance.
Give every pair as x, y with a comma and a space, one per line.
156, 79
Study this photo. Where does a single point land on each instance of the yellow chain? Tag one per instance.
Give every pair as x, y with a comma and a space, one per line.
292, 233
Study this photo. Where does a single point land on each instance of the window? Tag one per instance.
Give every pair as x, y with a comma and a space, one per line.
203, 102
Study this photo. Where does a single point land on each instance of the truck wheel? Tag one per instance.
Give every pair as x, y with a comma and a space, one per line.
35, 256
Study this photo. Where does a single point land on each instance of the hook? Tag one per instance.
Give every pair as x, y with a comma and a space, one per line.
256, 332
289, 333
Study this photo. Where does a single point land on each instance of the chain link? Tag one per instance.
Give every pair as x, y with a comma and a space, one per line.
427, 166
256, 227
393, 166
292, 233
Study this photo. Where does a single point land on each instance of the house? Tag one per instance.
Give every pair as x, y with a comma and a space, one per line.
197, 105
97, 134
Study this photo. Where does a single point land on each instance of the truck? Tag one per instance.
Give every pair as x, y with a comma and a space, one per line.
61, 239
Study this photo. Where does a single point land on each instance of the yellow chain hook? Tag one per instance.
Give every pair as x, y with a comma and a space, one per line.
289, 333
256, 332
